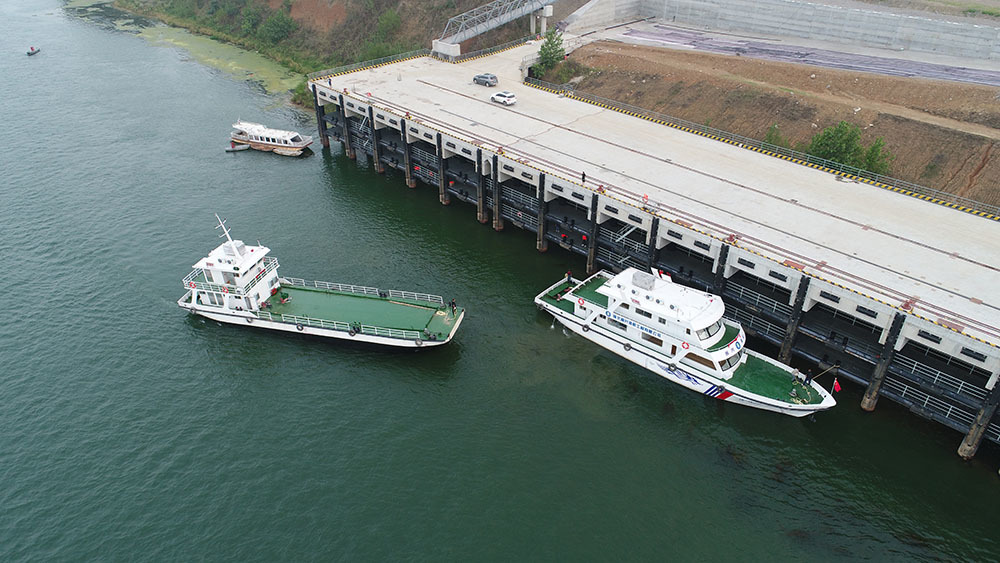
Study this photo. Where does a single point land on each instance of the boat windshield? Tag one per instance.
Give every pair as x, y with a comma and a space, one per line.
731, 361
708, 332
296, 139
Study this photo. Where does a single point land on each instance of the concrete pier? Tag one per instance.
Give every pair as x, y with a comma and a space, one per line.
820, 265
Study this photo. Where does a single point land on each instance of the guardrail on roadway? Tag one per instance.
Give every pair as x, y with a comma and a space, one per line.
367, 64
895, 184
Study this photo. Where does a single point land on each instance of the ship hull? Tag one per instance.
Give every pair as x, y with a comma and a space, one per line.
684, 376
245, 318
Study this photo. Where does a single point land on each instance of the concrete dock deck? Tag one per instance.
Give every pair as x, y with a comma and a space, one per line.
934, 261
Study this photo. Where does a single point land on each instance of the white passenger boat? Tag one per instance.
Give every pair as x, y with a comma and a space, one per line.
239, 284
287, 143
679, 333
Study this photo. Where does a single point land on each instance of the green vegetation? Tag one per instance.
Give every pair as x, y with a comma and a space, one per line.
981, 11
551, 52
842, 143
567, 71
252, 25
773, 137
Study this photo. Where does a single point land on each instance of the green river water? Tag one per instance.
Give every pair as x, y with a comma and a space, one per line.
133, 431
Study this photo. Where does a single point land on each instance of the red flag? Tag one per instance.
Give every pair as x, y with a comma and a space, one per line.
836, 385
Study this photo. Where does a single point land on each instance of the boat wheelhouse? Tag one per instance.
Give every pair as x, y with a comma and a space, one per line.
239, 284
288, 143
680, 334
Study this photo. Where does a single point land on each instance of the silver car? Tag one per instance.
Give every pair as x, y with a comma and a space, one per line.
485, 79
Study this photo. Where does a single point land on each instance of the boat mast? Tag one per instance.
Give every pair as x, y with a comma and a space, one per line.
225, 233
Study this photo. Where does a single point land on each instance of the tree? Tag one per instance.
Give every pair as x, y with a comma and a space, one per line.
551, 52
842, 144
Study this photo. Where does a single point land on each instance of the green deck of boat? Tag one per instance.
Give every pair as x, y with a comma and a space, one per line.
588, 290
402, 314
731, 332
553, 297
762, 378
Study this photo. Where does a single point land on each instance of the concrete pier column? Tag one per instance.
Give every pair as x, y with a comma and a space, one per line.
719, 285
348, 149
480, 189
653, 252
497, 219
411, 182
792, 328
379, 167
878, 374
592, 240
972, 440
324, 137
443, 196
531, 18
541, 243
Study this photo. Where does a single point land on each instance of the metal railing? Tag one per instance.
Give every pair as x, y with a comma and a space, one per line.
486, 17
488, 50
525, 200
945, 197
927, 402
192, 281
756, 299
367, 64
270, 264
940, 378
756, 324
365, 290
609, 235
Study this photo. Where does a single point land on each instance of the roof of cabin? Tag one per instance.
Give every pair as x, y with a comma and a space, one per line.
260, 130
663, 297
222, 259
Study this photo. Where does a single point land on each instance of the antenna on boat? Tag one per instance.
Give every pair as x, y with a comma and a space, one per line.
222, 225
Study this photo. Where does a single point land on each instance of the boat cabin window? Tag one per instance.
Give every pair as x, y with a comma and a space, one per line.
616, 324
731, 361
650, 338
296, 139
625, 306
703, 361
646, 314
708, 332
662, 321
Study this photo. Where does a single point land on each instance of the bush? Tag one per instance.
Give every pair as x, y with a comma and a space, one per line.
277, 27
842, 143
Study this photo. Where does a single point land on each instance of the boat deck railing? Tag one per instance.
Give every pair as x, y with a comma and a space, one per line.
341, 326
198, 280
364, 290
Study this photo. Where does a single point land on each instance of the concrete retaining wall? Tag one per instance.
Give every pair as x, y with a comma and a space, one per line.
854, 24
598, 14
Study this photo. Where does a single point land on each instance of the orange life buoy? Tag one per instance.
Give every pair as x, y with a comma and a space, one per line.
580, 301
685, 345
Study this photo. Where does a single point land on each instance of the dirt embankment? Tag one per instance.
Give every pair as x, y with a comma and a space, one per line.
942, 133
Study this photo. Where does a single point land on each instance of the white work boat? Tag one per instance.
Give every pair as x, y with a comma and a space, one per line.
257, 136
679, 333
239, 284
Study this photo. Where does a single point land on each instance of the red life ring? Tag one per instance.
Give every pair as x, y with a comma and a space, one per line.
645, 198
685, 345
580, 301
192, 285
225, 289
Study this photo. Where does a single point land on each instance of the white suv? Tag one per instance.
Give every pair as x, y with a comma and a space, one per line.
506, 98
